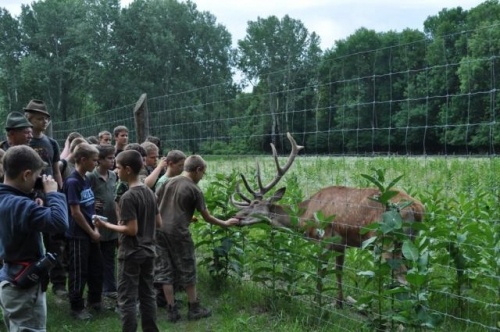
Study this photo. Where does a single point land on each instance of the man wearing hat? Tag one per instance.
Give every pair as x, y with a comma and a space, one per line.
19, 131
48, 149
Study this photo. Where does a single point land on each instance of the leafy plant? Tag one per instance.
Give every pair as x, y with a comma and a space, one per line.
226, 258
408, 299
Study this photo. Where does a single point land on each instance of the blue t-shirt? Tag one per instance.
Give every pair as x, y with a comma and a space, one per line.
78, 191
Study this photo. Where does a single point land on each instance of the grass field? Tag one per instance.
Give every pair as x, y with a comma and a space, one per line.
262, 279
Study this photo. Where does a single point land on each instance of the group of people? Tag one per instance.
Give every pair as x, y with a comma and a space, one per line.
68, 216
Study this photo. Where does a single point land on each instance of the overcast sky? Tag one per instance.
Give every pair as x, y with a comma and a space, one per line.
330, 19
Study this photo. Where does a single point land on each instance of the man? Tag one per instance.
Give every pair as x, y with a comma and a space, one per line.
48, 149
19, 131
24, 304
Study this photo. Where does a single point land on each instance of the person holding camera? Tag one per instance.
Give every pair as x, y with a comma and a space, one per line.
22, 298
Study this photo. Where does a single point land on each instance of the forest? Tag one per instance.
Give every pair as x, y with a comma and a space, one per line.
410, 92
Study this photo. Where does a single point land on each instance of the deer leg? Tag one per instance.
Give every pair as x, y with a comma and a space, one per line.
339, 266
398, 273
321, 273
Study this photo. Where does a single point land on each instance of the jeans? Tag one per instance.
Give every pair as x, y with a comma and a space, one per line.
23, 309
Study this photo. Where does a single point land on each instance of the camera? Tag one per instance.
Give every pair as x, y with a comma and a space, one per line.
35, 272
38, 184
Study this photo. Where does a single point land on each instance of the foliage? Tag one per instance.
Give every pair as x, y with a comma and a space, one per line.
226, 259
407, 302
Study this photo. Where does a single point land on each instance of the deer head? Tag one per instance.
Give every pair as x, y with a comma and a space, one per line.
258, 209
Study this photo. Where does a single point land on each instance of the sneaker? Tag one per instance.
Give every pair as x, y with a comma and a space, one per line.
111, 295
173, 314
81, 314
196, 311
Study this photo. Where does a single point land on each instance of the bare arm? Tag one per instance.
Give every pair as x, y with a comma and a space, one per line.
214, 221
65, 152
153, 177
77, 215
130, 228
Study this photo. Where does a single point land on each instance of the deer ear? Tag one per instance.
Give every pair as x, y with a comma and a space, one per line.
278, 194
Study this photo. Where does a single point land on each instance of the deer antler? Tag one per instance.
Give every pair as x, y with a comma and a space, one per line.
281, 170
238, 191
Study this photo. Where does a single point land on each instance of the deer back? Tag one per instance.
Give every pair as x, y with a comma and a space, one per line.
352, 209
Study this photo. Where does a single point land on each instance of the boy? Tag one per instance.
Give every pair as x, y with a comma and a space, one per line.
121, 138
103, 182
20, 237
175, 164
85, 259
104, 137
177, 204
154, 167
139, 218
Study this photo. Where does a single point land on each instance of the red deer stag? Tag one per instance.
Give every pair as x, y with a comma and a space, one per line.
352, 209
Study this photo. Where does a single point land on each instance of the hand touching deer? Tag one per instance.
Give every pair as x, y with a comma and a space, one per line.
352, 208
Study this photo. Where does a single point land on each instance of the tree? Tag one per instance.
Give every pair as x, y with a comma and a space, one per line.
10, 57
280, 55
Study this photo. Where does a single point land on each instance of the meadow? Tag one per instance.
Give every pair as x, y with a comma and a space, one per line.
261, 278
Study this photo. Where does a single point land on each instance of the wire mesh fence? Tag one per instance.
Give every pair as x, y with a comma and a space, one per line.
432, 121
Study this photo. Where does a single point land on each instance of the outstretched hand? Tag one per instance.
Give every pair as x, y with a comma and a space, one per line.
233, 222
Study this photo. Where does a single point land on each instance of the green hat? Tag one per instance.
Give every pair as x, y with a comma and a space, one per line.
16, 120
38, 106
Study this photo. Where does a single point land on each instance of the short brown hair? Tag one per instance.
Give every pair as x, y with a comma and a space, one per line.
84, 150
75, 142
194, 162
102, 133
137, 147
19, 158
105, 150
118, 130
132, 159
175, 156
73, 135
149, 146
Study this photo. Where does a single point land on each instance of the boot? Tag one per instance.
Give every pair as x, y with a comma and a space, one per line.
173, 314
196, 311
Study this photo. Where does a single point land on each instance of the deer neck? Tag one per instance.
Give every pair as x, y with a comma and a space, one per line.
281, 217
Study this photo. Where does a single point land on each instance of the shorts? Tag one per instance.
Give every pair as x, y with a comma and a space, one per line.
175, 261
